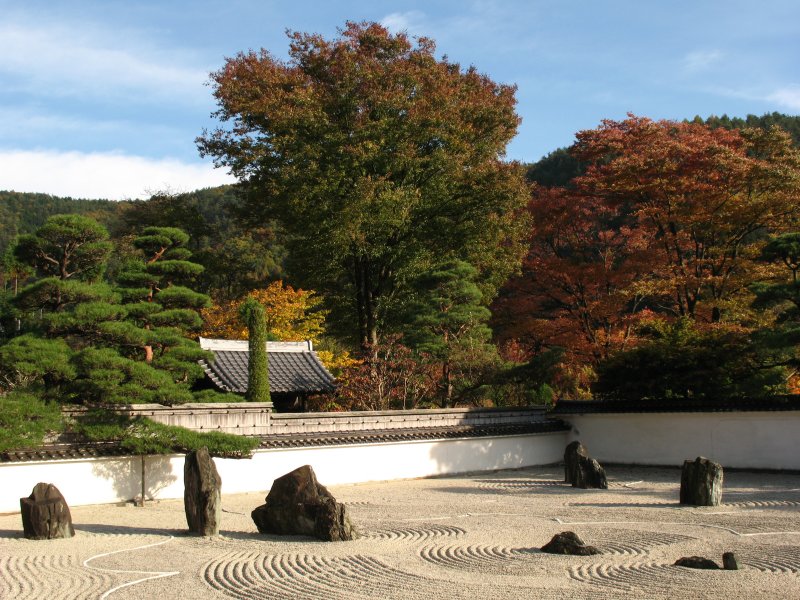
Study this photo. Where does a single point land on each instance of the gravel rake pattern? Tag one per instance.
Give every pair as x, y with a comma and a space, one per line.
255, 576
22, 578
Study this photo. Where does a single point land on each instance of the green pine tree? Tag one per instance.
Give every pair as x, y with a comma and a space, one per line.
448, 323
82, 344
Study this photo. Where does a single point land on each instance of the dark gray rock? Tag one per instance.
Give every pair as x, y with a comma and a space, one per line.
730, 562
696, 562
202, 493
297, 504
45, 514
589, 474
568, 542
701, 482
571, 454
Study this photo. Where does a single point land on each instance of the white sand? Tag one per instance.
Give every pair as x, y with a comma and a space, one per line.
473, 536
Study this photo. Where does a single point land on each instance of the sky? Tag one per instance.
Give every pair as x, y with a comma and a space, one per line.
104, 98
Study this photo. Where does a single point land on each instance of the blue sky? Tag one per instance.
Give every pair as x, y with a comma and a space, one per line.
105, 98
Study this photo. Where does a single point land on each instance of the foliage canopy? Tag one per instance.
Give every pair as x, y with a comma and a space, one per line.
378, 160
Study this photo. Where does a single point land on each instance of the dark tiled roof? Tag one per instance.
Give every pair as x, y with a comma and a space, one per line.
82, 451
64, 452
664, 405
293, 367
339, 438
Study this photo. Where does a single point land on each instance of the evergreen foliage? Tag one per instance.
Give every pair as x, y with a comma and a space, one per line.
557, 169
25, 420
684, 361
81, 344
789, 123
141, 435
252, 313
378, 160
449, 325
23, 213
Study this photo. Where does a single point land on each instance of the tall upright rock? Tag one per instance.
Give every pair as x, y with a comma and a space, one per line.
701, 482
572, 452
202, 492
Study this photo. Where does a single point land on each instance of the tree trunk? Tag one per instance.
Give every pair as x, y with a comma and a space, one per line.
358, 276
447, 378
143, 483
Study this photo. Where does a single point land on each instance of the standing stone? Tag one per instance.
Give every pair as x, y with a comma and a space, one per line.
571, 454
45, 514
730, 562
297, 504
701, 482
202, 496
568, 542
590, 474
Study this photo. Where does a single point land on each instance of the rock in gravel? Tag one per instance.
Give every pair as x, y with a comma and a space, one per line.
202, 492
701, 482
45, 514
572, 452
568, 542
297, 504
696, 562
590, 474
730, 562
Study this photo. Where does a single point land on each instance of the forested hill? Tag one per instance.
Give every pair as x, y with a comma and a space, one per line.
204, 213
236, 258
558, 167
22, 212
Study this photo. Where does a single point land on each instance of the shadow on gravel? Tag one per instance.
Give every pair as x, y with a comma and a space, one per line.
103, 529
12, 533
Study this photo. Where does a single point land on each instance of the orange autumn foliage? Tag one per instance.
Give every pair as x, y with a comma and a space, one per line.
292, 315
668, 219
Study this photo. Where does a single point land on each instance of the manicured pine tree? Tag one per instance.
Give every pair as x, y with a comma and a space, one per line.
81, 345
158, 301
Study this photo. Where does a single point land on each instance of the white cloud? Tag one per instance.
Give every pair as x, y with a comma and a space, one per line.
788, 96
701, 60
411, 21
62, 59
102, 175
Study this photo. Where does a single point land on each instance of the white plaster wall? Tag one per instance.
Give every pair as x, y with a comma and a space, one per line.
101, 481
748, 440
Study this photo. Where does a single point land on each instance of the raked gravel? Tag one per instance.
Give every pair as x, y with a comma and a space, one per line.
468, 536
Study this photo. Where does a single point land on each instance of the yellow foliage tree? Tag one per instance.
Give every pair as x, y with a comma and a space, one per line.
292, 315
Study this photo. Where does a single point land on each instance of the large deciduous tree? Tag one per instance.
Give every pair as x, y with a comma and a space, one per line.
667, 218
378, 159
702, 197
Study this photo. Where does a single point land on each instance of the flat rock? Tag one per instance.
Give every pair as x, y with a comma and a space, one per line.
297, 504
701, 482
202, 492
45, 514
696, 562
568, 542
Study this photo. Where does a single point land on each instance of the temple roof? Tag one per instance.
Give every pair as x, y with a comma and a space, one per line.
294, 367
